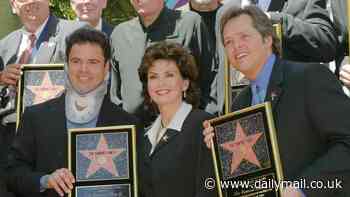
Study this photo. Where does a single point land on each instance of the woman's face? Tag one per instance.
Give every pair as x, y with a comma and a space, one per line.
165, 83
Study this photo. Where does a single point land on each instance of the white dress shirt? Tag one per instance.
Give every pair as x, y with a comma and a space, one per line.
25, 40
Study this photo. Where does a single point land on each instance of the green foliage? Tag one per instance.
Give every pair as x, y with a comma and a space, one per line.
117, 11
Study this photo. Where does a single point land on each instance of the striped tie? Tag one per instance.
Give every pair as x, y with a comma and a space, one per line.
27, 53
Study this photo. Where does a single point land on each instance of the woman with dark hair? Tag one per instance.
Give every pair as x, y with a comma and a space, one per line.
173, 158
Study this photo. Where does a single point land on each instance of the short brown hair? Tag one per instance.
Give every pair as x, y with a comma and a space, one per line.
184, 61
260, 22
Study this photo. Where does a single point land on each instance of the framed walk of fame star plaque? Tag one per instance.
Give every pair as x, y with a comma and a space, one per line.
246, 153
103, 161
38, 83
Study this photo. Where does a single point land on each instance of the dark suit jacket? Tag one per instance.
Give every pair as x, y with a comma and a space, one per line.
50, 44
40, 146
3, 189
179, 165
310, 112
308, 33
107, 28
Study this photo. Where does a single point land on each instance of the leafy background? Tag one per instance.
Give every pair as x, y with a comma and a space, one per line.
116, 12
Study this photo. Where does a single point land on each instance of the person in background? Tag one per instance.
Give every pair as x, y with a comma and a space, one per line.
91, 12
207, 9
155, 23
174, 160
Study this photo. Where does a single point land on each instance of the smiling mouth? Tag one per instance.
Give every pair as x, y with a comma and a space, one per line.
85, 11
162, 92
83, 78
241, 56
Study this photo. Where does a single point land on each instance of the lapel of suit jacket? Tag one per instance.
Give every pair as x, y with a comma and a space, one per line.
49, 30
13, 51
59, 132
275, 87
243, 99
60, 110
106, 28
105, 116
47, 41
168, 136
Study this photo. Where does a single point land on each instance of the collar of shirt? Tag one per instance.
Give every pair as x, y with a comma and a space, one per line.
26, 34
91, 124
262, 80
162, 19
175, 123
25, 37
98, 26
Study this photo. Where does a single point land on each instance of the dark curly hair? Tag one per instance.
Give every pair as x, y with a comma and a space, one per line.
184, 61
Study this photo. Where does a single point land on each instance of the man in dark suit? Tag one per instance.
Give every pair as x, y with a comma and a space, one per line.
309, 106
307, 34
38, 157
40, 40
91, 12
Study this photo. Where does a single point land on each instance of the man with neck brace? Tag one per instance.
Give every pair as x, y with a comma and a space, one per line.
38, 157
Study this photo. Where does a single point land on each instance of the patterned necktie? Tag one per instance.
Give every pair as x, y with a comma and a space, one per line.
27, 53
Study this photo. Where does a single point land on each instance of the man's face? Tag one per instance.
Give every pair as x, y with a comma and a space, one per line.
86, 67
89, 10
31, 11
246, 49
147, 8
